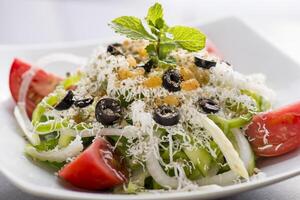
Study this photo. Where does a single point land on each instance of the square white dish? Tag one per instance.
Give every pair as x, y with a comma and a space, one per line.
248, 52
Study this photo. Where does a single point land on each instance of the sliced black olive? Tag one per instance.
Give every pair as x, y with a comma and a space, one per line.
108, 111
166, 115
205, 64
66, 102
171, 80
114, 50
83, 102
148, 66
116, 44
209, 106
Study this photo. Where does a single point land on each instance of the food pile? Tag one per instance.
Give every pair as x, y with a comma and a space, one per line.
154, 112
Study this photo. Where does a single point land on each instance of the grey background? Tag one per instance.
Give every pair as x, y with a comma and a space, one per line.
47, 21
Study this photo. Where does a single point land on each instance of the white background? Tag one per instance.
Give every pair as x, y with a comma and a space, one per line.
50, 21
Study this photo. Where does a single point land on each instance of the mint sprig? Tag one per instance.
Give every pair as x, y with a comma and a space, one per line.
163, 39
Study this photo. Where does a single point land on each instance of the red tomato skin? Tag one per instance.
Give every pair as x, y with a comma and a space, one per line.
41, 85
90, 169
283, 126
212, 49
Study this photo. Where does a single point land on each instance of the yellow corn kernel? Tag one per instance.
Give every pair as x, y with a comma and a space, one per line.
142, 52
186, 73
131, 61
189, 85
201, 75
152, 82
124, 73
171, 100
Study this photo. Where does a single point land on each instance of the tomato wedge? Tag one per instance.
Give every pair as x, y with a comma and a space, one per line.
277, 132
97, 168
41, 85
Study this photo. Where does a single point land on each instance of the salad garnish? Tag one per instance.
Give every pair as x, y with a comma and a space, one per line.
162, 38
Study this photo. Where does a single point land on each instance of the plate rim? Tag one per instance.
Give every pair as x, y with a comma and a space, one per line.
70, 194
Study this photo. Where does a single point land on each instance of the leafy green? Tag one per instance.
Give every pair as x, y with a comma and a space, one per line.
132, 27
48, 142
261, 103
188, 38
155, 15
163, 39
151, 50
54, 165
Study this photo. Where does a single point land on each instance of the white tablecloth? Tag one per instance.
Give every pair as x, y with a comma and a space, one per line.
46, 21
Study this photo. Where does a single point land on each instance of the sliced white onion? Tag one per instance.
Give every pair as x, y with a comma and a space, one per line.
33, 138
158, 174
245, 151
26, 80
61, 57
247, 156
231, 155
223, 179
20, 110
57, 155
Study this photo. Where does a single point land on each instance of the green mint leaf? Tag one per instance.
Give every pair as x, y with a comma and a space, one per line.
131, 27
151, 50
155, 13
160, 23
166, 64
188, 38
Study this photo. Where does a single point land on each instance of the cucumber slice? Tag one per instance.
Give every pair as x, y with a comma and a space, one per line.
64, 140
200, 158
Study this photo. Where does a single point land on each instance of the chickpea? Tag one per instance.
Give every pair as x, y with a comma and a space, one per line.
189, 85
153, 82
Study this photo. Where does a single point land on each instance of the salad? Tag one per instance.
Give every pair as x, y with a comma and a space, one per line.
159, 111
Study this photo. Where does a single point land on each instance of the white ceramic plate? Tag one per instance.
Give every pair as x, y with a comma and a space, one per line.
247, 51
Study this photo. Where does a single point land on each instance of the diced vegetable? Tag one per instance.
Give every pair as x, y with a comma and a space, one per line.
97, 168
42, 83
201, 159
276, 132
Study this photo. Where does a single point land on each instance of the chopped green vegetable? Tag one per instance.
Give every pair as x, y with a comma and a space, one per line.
261, 103
65, 140
71, 80
42, 106
47, 145
200, 158
50, 126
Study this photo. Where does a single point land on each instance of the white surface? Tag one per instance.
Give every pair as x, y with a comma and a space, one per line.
39, 181
36, 21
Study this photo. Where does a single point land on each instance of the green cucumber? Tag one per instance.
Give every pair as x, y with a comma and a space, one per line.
200, 158
65, 140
